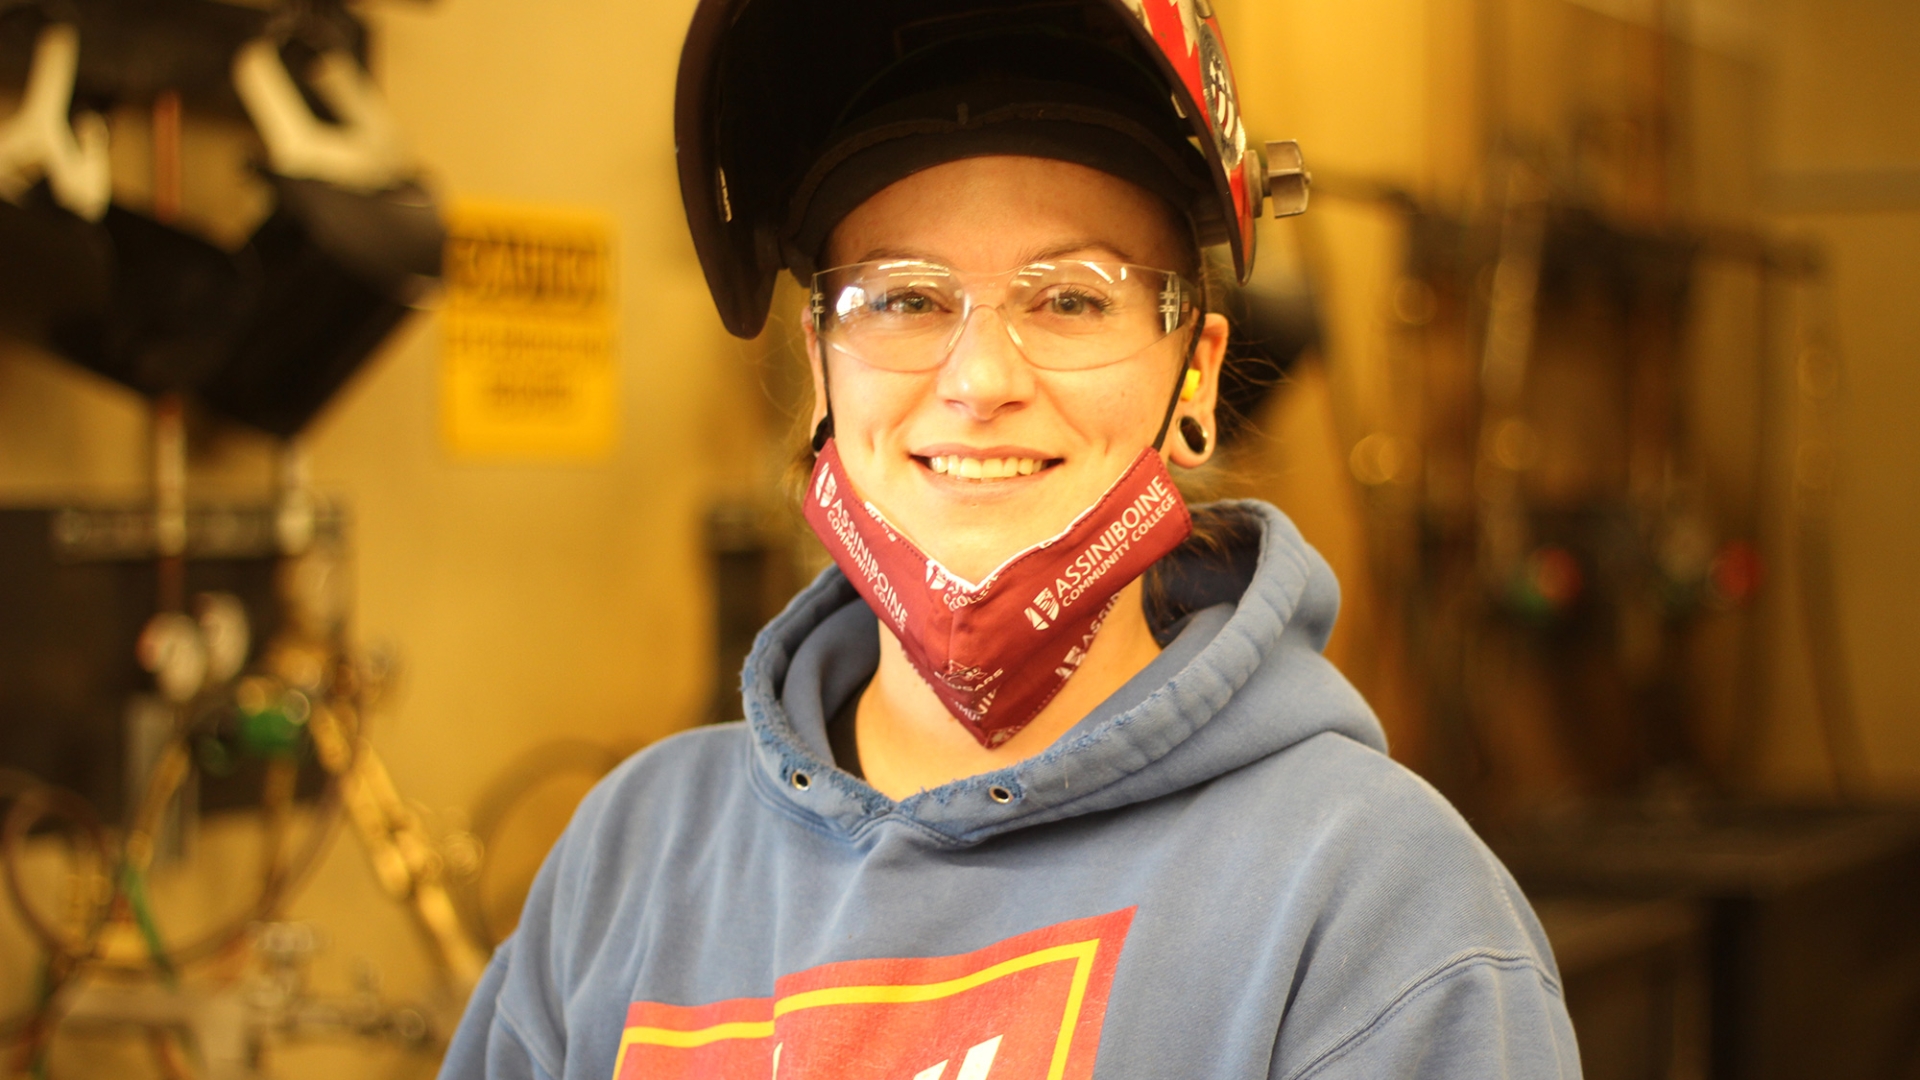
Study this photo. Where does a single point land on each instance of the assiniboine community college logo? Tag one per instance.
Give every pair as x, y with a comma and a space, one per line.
1045, 602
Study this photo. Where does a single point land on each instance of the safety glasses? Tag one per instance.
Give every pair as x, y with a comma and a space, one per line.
1062, 315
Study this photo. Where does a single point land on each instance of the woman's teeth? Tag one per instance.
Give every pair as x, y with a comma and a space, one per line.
967, 468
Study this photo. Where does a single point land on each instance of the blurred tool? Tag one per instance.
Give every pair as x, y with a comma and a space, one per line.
267, 334
54, 183
251, 682
40, 141
360, 151
1588, 586
220, 1033
226, 697
1547, 514
302, 697
405, 859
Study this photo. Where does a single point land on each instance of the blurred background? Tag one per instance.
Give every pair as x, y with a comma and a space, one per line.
375, 474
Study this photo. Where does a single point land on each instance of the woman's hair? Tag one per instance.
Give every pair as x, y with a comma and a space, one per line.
1204, 570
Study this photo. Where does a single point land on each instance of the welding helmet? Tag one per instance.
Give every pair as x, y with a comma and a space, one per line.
790, 113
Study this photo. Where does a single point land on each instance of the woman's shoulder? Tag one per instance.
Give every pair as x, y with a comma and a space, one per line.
666, 785
694, 761
687, 755
1367, 786
1391, 850
1374, 810
1420, 932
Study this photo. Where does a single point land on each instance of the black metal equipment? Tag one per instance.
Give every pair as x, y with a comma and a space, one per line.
265, 335
337, 271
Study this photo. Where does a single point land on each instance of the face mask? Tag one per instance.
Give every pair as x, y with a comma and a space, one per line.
995, 653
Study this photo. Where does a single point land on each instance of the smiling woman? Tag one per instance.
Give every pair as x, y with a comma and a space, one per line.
930, 406
992, 804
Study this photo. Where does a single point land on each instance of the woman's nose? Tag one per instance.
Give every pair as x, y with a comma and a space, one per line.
986, 374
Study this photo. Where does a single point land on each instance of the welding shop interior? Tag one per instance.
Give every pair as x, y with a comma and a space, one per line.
1592, 372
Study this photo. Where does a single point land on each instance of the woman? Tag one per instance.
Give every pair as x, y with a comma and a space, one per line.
1034, 782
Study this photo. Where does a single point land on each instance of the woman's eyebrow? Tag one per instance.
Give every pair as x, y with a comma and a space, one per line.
1055, 251
1076, 247
877, 254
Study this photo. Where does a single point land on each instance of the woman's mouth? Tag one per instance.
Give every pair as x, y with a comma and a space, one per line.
963, 467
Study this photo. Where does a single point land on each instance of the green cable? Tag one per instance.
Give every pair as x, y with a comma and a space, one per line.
134, 885
37, 1067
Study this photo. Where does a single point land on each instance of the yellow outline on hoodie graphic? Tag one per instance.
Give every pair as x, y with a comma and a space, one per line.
1080, 952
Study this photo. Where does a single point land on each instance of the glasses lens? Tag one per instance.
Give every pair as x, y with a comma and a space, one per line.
907, 316
1087, 314
898, 315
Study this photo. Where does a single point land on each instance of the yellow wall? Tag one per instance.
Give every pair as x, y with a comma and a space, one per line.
1843, 81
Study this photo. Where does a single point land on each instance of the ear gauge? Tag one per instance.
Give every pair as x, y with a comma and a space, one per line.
822, 432
1197, 438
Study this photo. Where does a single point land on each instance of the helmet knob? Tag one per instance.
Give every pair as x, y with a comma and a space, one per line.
1287, 178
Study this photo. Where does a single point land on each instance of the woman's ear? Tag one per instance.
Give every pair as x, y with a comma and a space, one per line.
1195, 431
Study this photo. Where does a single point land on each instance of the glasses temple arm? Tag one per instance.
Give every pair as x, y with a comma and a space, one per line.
1179, 381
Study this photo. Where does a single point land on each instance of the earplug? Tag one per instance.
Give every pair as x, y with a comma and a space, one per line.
1191, 386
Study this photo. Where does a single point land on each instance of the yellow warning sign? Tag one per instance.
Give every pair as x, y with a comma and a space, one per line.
528, 363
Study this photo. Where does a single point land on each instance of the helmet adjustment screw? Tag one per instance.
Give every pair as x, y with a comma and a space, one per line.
1287, 178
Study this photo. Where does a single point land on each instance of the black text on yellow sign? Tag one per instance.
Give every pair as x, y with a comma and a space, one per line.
529, 364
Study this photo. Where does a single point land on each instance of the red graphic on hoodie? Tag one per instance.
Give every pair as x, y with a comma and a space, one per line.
1027, 1008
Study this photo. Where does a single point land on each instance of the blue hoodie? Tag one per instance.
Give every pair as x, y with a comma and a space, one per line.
1217, 873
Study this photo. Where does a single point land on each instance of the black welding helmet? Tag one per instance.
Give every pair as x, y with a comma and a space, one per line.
790, 113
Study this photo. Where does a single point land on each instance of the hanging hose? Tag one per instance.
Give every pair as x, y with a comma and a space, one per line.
1819, 376
397, 844
36, 804
66, 959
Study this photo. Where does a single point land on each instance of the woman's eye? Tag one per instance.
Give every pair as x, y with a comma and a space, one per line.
912, 303
1075, 304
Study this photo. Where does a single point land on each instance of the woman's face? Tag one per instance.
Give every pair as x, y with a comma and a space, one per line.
985, 402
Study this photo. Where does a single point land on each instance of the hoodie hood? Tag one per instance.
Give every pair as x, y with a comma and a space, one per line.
1240, 679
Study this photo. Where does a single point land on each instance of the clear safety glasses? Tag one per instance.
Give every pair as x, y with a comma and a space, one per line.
1063, 315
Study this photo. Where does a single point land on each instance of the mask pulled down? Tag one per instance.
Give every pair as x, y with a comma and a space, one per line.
995, 653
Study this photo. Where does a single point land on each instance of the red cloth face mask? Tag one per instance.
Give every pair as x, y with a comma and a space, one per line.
995, 653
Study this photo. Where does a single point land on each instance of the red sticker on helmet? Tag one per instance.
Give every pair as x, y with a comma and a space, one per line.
1193, 46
